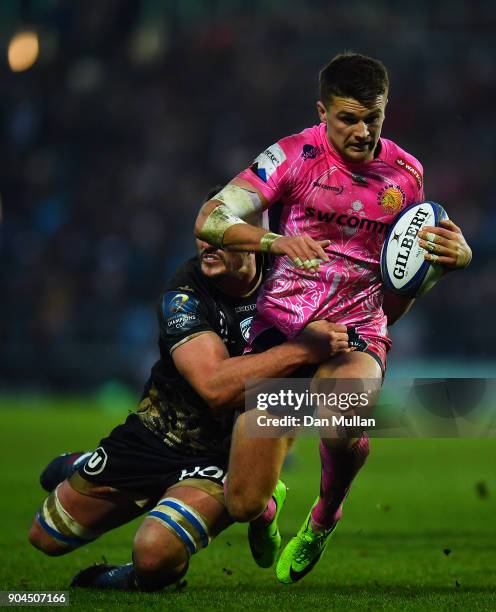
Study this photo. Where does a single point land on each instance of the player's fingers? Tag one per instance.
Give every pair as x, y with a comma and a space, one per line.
432, 234
306, 253
311, 265
455, 259
439, 246
339, 346
436, 239
317, 247
297, 253
340, 336
440, 259
449, 249
306, 245
323, 244
305, 250
428, 246
448, 224
311, 257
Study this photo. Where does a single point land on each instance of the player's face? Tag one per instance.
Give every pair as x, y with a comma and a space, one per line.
216, 262
353, 128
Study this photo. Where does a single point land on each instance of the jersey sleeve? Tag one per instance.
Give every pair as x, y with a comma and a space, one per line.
417, 171
412, 167
421, 191
182, 316
270, 172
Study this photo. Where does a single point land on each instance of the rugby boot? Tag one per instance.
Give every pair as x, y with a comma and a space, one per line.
302, 552
105, 576
121, 578
61, 468
265, 541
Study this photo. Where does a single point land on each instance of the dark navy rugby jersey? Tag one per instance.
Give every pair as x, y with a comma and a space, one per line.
191, 305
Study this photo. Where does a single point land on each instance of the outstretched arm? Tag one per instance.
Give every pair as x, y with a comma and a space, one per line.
221, 222
220, 380
224, 222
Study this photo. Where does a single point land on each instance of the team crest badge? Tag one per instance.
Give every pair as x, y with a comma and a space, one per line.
391, 198
245, 327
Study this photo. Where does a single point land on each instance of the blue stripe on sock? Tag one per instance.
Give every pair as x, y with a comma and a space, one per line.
177, 528
190, 517
74, 541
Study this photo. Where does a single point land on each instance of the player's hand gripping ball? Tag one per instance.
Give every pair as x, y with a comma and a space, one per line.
420, 246
446, 245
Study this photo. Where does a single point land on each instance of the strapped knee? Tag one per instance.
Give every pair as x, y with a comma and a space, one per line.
184, 521
54, 519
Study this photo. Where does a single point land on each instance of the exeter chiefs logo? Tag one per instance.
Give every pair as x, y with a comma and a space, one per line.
245, 327
311, 152
391, 198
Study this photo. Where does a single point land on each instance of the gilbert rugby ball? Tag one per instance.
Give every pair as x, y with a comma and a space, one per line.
403, 267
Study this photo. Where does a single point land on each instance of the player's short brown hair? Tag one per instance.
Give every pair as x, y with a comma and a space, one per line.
352, 75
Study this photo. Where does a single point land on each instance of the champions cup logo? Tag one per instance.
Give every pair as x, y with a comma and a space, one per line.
179, 309
178, 304
391, 198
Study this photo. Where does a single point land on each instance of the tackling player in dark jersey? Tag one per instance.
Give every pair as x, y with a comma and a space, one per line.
169, 460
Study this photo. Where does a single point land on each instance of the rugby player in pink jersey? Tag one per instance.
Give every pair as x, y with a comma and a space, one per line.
340, 186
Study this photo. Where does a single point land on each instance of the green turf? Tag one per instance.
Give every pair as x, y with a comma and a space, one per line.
414, 499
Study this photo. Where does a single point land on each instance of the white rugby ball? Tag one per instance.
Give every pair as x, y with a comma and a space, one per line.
403, 267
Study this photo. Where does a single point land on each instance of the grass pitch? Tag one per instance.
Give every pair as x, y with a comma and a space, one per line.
418, 531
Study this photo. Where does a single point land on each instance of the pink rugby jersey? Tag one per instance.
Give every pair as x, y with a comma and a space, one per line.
350, 204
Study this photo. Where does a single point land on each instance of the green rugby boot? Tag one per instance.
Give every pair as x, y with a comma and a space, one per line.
302, 552
265, 542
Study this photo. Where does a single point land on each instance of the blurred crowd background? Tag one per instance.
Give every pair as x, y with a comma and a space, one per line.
133, 109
